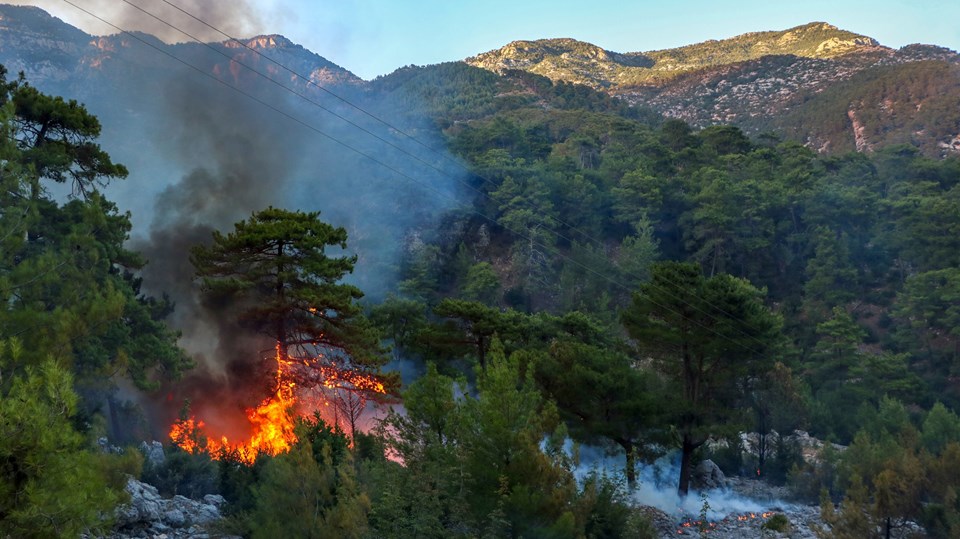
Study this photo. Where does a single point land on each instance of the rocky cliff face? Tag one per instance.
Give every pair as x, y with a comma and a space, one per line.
767, 86
45, 47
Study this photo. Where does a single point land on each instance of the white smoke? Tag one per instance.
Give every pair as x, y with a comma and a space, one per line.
657, 485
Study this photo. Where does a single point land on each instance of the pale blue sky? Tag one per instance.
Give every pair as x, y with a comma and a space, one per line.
375, 37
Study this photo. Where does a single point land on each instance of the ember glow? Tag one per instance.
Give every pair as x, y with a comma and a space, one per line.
753, 516
691, 527
272, 421
695, 526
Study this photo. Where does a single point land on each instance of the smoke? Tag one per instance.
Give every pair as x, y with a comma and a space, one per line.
238, 167
237, 163
657, 486
236, 18
203, 156
215, 157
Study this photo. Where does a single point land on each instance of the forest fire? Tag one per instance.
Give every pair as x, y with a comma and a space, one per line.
695, 526
752, 516
272, 421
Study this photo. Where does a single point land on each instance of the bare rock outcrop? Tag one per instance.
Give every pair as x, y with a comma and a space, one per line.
148, 514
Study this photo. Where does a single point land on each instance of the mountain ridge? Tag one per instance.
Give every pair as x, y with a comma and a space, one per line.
770, 81
585, 63
766, 81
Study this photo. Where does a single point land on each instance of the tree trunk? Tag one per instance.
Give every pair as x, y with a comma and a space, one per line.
482, 352
686, 456
281, 323
761, 449
631, 466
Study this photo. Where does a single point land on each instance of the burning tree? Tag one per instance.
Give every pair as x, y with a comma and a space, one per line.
273, 272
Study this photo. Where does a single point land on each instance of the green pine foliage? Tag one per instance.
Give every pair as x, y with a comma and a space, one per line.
638, 283
274, 274
73, 317
51, 484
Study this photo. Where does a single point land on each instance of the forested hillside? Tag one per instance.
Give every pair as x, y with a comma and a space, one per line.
573, 206
576, 210
604, 280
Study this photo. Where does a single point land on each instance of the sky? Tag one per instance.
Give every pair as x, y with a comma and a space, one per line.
375, 37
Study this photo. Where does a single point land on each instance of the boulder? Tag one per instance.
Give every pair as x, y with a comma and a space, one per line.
707, 476
174, 518
152, 452
145, 504
150, 515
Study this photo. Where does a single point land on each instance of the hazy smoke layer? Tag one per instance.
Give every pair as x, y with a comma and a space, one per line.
236, 18
657, 486
203, 156
216, 157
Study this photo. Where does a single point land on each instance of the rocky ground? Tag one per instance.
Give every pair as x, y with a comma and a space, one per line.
741, 524
737, 508
150, 515
741, 507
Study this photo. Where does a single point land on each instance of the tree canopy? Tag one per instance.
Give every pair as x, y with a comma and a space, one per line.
709, 337
273, 273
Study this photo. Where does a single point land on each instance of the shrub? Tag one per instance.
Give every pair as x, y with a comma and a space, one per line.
778, 523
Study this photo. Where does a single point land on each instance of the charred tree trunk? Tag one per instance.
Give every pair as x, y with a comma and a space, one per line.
281, 323
631, 467
686, 458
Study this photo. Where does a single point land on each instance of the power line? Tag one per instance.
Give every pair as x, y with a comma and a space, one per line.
310, 82
393, 128
407, 177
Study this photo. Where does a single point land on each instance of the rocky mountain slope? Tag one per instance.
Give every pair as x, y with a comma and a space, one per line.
772, 81
575, 61
63, 60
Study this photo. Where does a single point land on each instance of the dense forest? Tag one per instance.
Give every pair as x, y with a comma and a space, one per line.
618, 280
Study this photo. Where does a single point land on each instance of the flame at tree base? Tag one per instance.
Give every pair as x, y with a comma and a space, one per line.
272, 421
272, 424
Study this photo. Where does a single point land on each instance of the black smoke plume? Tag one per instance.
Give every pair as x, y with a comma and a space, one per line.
237, 156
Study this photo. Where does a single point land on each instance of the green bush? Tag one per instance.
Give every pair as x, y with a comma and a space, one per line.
778, 523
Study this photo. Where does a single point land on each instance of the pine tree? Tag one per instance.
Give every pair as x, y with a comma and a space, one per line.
707, 337
274, 273
50, 484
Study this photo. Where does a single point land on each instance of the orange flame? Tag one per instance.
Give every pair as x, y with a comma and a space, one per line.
272, 426
752, 516
685, 527
272, 422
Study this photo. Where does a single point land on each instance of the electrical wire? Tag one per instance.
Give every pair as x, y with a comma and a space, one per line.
392, 128
410, 178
